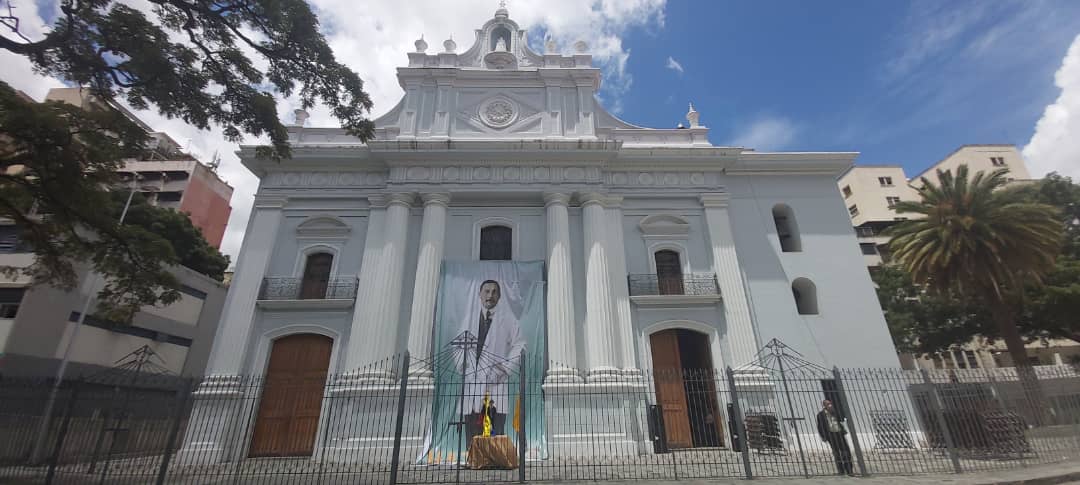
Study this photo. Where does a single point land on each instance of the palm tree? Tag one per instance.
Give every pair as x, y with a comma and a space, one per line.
976, 242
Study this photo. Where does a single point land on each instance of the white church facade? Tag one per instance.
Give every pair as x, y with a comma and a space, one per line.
652, 246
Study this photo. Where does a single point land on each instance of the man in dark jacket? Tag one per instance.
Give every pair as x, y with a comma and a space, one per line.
830, 426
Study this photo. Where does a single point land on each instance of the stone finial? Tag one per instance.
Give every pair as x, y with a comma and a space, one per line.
502, 12
421, 45
692, 116
450, 45
300, 116
581, 47
550, 46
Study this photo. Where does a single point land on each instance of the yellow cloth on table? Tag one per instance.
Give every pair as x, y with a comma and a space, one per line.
496, 452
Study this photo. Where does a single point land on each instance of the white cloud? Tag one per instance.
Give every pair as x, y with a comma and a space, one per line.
1055, 145
374, 41
674, 65
766, 134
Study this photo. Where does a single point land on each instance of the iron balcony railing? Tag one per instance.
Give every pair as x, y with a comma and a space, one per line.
655, 285
293, 288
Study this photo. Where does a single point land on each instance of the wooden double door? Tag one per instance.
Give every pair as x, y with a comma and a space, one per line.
686, 389
292, 395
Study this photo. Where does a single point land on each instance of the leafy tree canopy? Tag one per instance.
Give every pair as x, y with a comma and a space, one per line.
207, 63
927, 322
191, 61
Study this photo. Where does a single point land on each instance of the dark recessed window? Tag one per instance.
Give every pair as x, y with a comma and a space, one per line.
786, 228
316, 276
496, 243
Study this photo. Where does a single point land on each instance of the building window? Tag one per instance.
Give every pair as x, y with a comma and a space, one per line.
496, 243
853, 210
9, 240
316, 276
885, 181
869, 249
892, 201
10, 299
864, 231
997, 161
787, 230
669, 276
805, 294
847, 191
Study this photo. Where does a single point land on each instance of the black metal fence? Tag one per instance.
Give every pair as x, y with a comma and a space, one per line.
377, 425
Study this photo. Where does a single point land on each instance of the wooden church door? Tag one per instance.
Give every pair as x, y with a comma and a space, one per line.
292, 396
670, 391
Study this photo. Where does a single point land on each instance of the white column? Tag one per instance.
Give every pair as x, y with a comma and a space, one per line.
238, 315
368, 285
422, 316
386, 307
620, 290
600, 335
562, 351
740, 325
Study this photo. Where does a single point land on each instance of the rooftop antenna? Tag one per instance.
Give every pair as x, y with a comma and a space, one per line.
215, 161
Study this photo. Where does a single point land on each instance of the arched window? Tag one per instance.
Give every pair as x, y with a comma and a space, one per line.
669, 277
805, 294
316, 276
496, 243
786, 228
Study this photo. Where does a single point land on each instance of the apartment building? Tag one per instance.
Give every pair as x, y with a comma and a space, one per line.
870, 193
38, 323
167, 176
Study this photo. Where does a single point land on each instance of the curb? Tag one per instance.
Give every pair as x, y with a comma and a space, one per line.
1046, 480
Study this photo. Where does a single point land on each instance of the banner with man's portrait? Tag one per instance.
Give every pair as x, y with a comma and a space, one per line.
489, 334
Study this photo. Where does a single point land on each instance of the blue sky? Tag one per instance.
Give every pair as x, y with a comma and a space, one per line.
901, 82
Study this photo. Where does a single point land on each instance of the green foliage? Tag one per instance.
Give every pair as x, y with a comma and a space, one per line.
190, 61
925, 323
972, 240
60, 160
187, 59
188, 244
976, 251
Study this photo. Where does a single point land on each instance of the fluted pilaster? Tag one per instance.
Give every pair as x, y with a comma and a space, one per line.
740, 325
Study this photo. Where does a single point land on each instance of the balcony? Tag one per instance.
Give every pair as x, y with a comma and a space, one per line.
651, 289
296, 293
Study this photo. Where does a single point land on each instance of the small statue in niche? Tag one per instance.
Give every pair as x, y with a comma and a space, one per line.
500, 45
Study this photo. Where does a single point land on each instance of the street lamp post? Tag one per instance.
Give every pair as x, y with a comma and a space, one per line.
91, 288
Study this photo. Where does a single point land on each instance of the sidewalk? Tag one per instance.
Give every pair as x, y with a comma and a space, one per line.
1052, 474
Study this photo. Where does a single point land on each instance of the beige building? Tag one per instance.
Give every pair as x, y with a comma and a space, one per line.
871, 192
981, 158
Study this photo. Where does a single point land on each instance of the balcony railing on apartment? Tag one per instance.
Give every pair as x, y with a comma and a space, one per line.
656, 285
293, 288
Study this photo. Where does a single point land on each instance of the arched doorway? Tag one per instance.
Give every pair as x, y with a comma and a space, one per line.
686, 389
292, 395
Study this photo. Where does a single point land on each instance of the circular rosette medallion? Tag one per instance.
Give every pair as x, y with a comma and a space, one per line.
498, 112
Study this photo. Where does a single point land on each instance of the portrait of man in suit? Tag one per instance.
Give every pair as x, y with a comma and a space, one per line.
499, 342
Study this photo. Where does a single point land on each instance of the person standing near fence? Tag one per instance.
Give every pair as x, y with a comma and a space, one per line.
830, 426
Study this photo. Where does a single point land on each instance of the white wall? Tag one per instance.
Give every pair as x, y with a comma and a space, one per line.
850, 329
